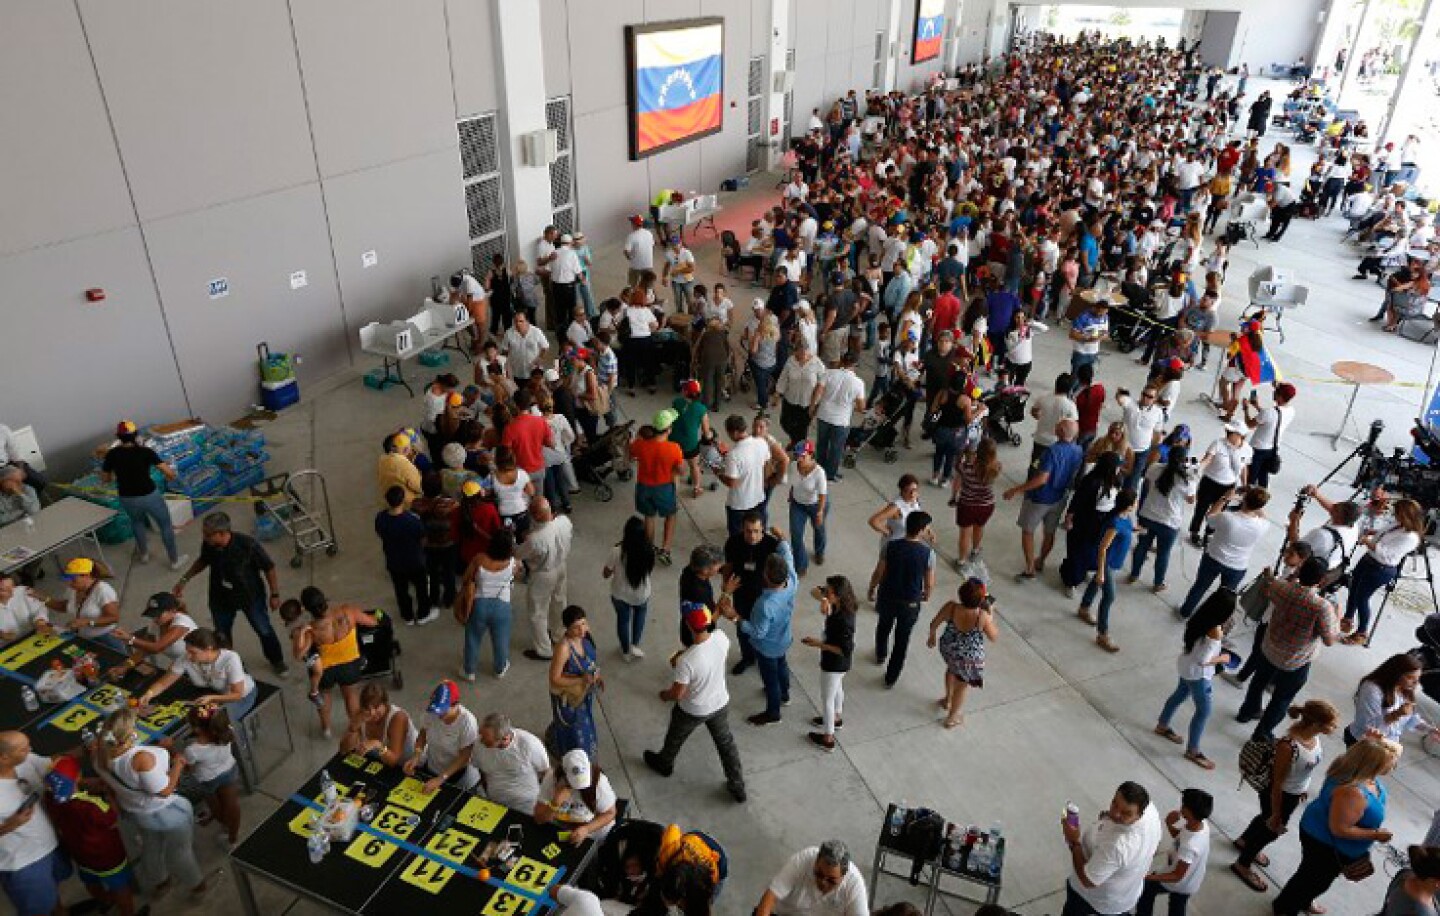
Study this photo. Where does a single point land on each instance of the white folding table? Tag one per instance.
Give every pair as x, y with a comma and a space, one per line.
58, 524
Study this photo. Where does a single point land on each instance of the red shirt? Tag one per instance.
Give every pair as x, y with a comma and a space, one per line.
946, 312
86, 825
526, 436
1227, 160
1089, 402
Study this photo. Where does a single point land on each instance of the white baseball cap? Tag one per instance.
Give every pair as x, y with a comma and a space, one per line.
577, 769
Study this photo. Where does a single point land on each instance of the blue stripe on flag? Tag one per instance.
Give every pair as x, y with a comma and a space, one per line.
665, 88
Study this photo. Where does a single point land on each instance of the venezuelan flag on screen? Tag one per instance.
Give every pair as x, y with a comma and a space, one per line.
678, 82
929, 30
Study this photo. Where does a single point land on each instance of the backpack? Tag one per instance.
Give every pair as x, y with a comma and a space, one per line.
1257, 763
921, 838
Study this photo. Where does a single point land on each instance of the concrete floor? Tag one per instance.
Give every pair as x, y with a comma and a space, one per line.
1058, 720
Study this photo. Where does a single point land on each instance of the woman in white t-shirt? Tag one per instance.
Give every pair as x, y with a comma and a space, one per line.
576, 796
889, 522
1225, 466
1385, 551
513, 492
1196, 666
213, 771
637, 361
164, 645
22, 611
92, 603
716, 307
144, 778
628, 569
1172, 486
211, 668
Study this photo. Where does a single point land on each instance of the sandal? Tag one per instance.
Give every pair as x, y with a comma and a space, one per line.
957, 721
1200, 760
1261, 859
1252, 880
1169, 734
1317, 909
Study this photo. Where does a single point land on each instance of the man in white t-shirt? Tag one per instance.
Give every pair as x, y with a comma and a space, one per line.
448, 732
31, 864
21, 613
525, 347
744, 473
701, 697
818, 881
1225, 466
838, 396
512, 763
1143, 420
1110, 859
1232, 540
1049, 410
1188, 855
1267, 429
639, 249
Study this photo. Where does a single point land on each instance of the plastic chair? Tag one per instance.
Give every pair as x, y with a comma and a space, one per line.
1275, 297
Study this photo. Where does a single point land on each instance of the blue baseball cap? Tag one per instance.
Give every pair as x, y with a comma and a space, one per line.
445, 697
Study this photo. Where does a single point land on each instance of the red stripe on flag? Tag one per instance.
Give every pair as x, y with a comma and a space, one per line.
927, 49
657, 128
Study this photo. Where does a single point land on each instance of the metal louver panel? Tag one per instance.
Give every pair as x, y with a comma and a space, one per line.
479, 152
757, 75
557, 118
481, 254
561, 183
485, 206
565, 220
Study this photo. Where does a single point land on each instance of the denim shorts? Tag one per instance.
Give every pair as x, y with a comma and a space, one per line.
658, 500
208, 787
36, 887
116, 879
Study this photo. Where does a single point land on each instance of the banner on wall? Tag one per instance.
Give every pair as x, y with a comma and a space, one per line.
929, 30
677, 80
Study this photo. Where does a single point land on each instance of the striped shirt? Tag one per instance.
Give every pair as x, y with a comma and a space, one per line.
608, 369
1300, 619
974, 491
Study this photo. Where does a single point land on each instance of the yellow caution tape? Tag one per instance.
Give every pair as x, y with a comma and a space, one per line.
177, 497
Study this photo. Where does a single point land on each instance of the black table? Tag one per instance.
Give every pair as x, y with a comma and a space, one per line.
394, 865
933, 871
55, 728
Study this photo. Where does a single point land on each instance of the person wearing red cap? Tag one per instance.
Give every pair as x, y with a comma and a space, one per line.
129, 464
701, 697
690, 428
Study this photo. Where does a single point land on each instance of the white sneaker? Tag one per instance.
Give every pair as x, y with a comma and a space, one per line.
180, 562
431, 616
503, 671
635, 652
627, 657
1069, 591
466, 676
142, 558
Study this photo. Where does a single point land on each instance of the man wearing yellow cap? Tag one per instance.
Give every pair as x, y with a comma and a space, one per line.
397, 469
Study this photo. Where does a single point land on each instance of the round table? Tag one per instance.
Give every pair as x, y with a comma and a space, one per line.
1114, 297
1355, 374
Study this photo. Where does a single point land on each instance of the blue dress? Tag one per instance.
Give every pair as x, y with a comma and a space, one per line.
573, 727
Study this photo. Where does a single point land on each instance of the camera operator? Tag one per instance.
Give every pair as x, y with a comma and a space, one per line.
1334, 542
1386, 549
1267, 428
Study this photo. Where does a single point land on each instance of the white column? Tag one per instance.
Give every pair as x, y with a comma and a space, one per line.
1327, 40
775, 105
521, 71
1413, 87
894, 47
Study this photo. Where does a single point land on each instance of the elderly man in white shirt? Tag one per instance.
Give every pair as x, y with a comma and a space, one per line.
512, 763
817, 881
1109, 859
639, 249
525, 347
22, 612
565, 270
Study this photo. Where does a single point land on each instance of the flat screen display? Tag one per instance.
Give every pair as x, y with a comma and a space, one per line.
676, 74
929, 30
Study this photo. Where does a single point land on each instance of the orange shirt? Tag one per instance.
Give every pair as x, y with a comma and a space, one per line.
656, 461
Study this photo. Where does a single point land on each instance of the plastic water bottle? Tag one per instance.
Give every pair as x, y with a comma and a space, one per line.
980, 856
30, 698
318, 846
994, 862
1072, 815
897, 818
328, 791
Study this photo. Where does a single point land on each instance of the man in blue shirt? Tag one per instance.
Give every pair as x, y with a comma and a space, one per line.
1046, 493
768, 628
907, 577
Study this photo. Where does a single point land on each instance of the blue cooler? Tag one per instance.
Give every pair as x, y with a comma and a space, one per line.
279, 395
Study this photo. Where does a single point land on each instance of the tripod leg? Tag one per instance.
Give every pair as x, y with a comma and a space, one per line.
1379, 614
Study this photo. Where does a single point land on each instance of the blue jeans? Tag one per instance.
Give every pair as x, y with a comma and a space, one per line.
1137, 473
629, 620
1107, 598
488, 615
169, 837
1366, 579
587, 298
775, 673
764, 376
1288, 685
1076, 361
1163, 537
1199, 691
555, 489
799, 515
150, 506
1205, 576
258, 613
830, 447
947, 447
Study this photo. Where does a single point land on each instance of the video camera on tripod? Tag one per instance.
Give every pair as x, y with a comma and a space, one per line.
1400, 473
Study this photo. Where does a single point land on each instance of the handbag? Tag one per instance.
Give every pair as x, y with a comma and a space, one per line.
1253, 599
1272, 463
1359, 869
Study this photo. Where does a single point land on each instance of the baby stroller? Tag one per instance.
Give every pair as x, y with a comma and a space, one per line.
878, 429
1006, 408
608, 454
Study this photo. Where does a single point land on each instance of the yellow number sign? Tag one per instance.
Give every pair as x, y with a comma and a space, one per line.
374, 851
550, 851
107, 695
75, 718
163, 717
27, 650
427, 875
394, 821
410, 793
455, 845
354, 760
479, 814
504, 903
529, 875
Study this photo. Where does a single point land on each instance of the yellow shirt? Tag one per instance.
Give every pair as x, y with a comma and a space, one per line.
395, 470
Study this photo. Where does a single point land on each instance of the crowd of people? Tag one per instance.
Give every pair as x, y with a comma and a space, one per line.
1075, 190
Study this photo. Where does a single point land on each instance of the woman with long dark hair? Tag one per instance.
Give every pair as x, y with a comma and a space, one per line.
837, 646
1196, 664
1172, 486
1385, 551
974, 497
1385, 701
1092, 503
631, 562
